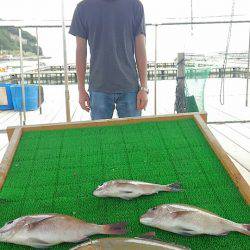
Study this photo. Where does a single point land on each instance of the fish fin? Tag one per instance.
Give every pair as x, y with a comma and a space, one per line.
126, 198
149, 235
184, 233
40, 243
245, 229
84, 239
125, 195
126, 192
118, 228
122, 184
177, 214
38, 221
222, 234
174, 187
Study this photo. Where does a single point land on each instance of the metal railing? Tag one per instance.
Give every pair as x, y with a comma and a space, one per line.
21, 25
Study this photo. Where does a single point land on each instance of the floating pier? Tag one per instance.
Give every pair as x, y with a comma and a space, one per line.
54, 75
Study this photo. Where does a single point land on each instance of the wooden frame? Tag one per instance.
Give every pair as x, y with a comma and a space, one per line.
66, 125
9, 154
15, 133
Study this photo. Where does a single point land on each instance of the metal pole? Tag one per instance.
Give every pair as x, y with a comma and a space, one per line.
22, 80
66, 79
248, 71
38, 73
39, 25
222, 86
192, 19
155, 70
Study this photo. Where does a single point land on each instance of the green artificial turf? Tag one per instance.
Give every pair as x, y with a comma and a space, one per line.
57, 171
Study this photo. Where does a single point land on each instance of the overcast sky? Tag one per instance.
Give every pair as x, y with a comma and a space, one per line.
206, 38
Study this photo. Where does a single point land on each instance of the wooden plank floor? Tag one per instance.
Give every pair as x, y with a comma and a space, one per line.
234, 138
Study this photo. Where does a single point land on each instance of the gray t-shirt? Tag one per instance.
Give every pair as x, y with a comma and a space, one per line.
110, 26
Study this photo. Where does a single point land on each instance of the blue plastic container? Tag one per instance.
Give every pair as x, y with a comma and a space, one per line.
31, 97
5, 91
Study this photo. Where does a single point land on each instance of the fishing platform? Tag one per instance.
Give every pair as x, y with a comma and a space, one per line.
55, 166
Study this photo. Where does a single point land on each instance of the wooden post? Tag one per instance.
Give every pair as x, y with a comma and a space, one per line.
180, 102
8, 156
68, 118
31, 79
75, 78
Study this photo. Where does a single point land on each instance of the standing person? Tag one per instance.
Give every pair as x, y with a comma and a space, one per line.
115, 31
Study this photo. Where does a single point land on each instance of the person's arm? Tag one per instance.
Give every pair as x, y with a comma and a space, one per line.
81, 63
141, 61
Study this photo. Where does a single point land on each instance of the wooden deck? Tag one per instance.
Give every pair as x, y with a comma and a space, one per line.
234, 138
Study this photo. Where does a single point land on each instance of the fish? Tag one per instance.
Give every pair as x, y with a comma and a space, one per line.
127, 243
127, 189
45, 230
189, 220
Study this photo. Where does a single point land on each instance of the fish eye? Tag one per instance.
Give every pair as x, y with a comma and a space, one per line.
154, 208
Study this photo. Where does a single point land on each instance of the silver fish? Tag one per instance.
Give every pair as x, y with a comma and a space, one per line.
188, 220
127, 243
126, 189
50, 229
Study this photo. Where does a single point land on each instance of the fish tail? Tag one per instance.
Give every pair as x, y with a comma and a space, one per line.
174, 187
245, 229
118, 228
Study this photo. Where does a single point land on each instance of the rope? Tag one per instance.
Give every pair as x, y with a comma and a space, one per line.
180, 62
180, 78
222, 86
222, 89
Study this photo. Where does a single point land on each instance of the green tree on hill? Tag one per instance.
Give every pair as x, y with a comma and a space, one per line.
9, 41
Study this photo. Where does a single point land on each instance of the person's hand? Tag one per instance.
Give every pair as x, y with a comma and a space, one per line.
84, 100
142, 100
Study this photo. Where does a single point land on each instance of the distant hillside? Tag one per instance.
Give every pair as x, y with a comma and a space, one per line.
9, 41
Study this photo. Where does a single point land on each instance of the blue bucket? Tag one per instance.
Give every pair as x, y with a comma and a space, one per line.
31, 97
5, 96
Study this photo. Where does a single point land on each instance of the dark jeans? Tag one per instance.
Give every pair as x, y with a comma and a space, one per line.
102, 105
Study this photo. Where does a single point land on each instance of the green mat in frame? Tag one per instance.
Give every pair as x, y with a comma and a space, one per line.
54, 169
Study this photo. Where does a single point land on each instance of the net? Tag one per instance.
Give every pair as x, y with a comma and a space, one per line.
195, 86
191, 98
